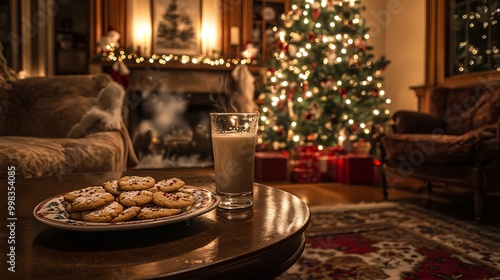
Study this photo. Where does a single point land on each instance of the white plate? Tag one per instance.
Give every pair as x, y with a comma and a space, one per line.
51, 212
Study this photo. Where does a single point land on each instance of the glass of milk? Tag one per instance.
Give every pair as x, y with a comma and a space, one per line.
233, 141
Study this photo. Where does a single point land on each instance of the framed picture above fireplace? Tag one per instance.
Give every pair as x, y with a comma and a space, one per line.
176, 26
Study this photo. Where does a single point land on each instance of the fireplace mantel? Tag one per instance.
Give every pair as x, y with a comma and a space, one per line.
176, 66
189, 77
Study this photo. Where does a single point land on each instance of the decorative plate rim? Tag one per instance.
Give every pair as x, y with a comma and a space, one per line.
205, 202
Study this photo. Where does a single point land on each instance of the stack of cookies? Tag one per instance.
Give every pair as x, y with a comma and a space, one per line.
130, 197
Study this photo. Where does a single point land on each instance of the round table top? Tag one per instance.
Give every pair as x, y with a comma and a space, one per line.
260, 242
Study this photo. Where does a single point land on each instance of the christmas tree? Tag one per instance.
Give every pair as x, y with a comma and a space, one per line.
176, 28
322, 86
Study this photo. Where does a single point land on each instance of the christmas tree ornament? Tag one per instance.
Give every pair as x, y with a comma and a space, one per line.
327, 82
311, 36
360, 44
330, 5
343, 92
297, 13
354, 127
328, 126
296, 37
281, 131
305, 86
283, 47
332, 58
315, 109
282, 105
323, 83
316, 10
291, 91
292, 49
311, 137
345, 6
291, 113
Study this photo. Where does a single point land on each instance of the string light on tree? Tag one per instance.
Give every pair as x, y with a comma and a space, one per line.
321, 78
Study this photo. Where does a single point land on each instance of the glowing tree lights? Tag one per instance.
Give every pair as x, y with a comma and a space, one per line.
322, 85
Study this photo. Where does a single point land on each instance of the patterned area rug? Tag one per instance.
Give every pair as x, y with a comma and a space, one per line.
395, 241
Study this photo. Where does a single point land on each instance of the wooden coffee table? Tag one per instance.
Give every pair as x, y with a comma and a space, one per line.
260, 243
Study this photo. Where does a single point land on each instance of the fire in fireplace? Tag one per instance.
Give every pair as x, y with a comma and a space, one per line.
171, 128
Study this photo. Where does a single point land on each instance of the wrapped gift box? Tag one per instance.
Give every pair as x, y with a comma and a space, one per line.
270, 166
311, 163
335, 151
306, 149
306, 175
328, 166
355, 169
303, 163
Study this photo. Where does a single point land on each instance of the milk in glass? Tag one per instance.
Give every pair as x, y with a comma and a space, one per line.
234, 162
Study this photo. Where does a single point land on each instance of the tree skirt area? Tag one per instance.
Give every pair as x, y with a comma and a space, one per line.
394, 241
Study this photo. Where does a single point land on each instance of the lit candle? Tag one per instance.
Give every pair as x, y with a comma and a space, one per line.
204, 41
235, 35
145, 43
209, 47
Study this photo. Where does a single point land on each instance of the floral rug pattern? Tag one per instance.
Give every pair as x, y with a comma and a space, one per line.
394, 241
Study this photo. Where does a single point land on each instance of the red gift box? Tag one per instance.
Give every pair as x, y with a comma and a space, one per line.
325, 151
270, 166
328, 166
303, 163
306, 175
310, 163
306, 149
306, 155
355, 169
335, 151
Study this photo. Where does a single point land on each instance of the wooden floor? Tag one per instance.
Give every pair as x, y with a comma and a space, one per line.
452, 201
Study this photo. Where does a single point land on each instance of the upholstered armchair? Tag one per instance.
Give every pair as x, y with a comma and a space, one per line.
457, 143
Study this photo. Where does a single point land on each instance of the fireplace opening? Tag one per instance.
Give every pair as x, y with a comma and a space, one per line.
172, 129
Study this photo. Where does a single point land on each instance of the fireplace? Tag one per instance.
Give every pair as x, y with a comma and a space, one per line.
168, 115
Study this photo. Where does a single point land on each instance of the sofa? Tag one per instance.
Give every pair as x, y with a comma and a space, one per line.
55, 125
457, 143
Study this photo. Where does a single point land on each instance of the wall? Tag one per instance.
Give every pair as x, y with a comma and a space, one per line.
397, 30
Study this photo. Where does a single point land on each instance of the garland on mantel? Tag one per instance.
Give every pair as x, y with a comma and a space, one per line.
132, 57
